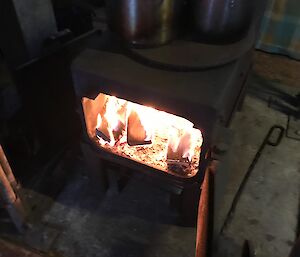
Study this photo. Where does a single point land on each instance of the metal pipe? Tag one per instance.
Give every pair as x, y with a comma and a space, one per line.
7, 193
7, 169
203, 217
9, 198
12, 203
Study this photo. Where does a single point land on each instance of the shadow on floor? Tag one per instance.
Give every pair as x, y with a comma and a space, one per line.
276, 98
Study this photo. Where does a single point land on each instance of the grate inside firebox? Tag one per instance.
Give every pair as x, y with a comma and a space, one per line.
155, 138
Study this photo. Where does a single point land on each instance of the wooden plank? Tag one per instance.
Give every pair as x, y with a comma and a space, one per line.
136, 133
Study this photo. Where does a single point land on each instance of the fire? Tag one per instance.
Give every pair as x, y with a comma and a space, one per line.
147, 117
110, 125
111, 115
156, 138
188, 141
99, 121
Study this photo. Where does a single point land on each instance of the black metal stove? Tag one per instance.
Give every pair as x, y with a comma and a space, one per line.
208, 98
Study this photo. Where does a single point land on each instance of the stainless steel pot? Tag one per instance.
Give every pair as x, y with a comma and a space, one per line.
221, 21
145, 23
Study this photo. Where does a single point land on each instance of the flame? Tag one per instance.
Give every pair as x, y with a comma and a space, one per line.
189, 142
112, 118
182, 133
181, 138
174, 140
182, 143
99, 121
111, 114
147, 116
98, 126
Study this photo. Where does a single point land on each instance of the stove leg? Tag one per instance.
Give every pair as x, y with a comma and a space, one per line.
189, 205
113, 185
96, 170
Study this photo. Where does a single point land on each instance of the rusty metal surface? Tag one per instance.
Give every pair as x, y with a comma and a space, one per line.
7, 192
8, 249
9, 197
7, 169
203, 218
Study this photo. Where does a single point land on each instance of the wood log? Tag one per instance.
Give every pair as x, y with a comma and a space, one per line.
105, 131
136, 133
104, 135
178, 152
91, 108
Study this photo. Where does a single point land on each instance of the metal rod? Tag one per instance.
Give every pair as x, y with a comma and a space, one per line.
7, 169
7, 193
267, 141
203, 218
12, 203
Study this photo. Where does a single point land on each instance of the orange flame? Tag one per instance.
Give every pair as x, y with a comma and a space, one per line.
148, 117
99, 121
188, 141
182, 136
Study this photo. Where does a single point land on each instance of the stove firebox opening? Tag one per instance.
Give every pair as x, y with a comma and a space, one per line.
160, 140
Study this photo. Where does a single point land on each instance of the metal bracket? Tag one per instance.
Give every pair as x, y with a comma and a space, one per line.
293, 128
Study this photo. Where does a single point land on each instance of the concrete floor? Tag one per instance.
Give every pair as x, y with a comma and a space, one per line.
268, 210
135, 223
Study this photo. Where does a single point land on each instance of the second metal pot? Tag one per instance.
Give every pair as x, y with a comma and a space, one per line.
221, 21
145, 23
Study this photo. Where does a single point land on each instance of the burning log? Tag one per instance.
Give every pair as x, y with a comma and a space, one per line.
142, 134
180, 149
91, 109
136, 132
102, 130
111, 121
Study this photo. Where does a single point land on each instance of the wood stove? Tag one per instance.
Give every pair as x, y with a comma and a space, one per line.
158, 122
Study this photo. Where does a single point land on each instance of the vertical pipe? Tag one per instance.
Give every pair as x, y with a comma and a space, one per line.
203, 218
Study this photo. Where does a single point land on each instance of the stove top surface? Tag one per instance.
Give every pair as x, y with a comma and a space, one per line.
189, 94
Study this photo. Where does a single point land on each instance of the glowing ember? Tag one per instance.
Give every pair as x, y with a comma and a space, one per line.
146, 135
